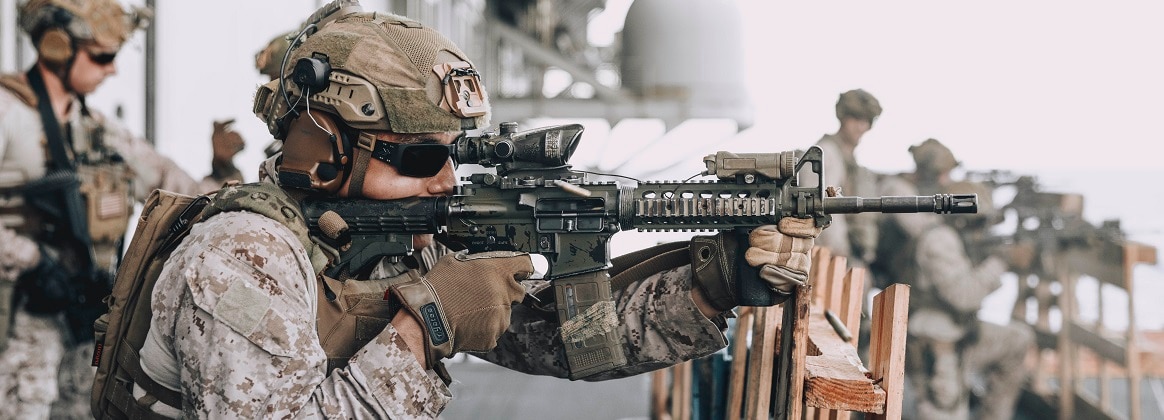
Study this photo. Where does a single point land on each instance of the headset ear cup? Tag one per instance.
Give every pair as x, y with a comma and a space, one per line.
55, 46
314, 159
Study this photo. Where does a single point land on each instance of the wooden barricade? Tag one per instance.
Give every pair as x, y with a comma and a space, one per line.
826, 379
1079, 350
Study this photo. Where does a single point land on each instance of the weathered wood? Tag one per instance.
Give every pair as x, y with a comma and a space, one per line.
739, 365
800, 346
887, 346
1111, 349
834, 378
835, 284
659, 395
852, 302
761, 362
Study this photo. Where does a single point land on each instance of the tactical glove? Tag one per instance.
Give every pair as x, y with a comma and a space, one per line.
464, 301
781, 252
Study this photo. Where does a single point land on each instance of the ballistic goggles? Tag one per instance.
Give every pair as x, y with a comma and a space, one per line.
420, 160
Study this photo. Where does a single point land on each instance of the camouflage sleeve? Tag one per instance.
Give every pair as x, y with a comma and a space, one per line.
154, 170
661, 326
944, 267
245, 339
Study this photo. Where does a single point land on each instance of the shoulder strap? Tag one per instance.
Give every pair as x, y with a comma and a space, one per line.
20, 88
272, 202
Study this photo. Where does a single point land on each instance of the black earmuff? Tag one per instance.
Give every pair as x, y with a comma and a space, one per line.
311, 73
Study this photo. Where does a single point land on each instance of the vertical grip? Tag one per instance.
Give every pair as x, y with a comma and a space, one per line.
589, 323
751, 290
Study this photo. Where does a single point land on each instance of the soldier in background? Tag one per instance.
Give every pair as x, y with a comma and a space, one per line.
268, 62
69, 178
949, 348
851, 235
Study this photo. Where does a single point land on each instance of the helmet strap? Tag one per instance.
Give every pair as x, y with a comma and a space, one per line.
366, 142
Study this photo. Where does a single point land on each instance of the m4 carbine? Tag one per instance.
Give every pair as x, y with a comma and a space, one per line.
535, 202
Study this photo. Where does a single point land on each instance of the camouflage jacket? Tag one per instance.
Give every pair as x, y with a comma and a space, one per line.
234, 331
946, 286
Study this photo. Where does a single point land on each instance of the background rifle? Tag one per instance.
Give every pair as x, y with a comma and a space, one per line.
534, 202
1064, 241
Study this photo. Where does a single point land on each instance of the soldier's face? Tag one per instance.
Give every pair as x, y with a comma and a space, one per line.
92, 65
383, 182
852, 129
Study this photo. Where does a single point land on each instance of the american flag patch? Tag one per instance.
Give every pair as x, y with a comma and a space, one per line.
111, 205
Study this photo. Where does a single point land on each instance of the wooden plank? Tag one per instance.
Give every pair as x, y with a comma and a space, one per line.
818, 273
1086, 409
761, 361
887, 346
836, 284
1107, 348
834, 378
659, 395
739, 366
800, 346
1134, 253
853, 301
676, 391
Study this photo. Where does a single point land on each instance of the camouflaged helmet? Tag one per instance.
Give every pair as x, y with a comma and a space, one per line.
933, 157
386, 72
351, 74
269, 60
57, 26
859, 104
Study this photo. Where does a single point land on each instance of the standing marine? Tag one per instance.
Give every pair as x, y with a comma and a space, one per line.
69, 179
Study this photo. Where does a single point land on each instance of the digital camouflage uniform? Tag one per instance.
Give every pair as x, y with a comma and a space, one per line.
949, 349
234, 331
42, 364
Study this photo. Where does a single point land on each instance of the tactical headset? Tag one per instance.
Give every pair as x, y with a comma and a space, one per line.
56, 46
318, 150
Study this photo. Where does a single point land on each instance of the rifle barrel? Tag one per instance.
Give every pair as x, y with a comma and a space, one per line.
938, 203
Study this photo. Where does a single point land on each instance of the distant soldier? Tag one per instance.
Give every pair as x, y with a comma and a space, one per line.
269, 62
69, 178
851, 235
941, 259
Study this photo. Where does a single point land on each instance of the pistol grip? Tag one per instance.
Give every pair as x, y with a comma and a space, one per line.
589, 323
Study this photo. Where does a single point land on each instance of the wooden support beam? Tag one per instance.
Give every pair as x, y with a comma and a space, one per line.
761, 363
735, 393
887, 346
834, 377
852, 302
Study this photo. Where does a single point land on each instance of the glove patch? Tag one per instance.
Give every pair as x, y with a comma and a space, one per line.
437, 333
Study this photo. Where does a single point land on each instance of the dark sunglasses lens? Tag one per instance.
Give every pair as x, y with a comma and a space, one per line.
422, 160
105, 58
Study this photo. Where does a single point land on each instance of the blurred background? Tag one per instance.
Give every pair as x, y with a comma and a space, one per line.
1067, 92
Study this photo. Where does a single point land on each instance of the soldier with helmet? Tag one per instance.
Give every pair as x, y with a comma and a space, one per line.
245, 322
851, 235
69, 178
950, 352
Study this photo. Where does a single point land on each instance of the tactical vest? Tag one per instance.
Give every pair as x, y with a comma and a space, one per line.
349, 315
105, 186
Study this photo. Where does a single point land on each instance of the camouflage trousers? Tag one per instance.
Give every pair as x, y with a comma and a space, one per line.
993, 368
41, 375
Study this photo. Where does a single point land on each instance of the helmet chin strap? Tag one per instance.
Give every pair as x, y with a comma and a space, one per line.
366, 142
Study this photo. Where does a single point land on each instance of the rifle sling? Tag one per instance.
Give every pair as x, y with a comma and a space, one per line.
639, 264
61, 162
